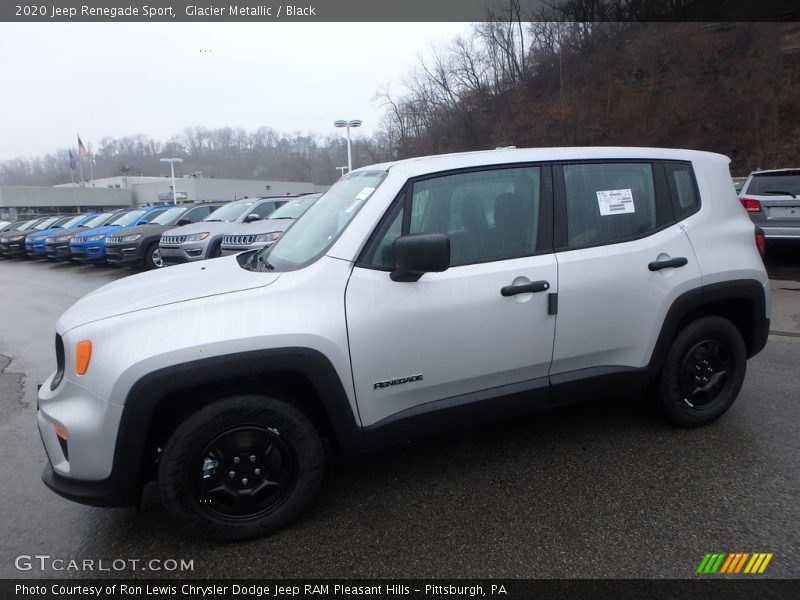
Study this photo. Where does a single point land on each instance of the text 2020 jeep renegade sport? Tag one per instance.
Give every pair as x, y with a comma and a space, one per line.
413, 296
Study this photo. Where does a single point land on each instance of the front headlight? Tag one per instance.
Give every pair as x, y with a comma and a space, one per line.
3, 240
16, 238
196, 237
131, 238
269, 237
58, 238
95, 238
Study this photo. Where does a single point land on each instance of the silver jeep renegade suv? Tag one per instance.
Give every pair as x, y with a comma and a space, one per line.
412, 297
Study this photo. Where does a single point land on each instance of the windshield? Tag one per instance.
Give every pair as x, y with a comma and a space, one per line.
311, 235
97, 221
46, 223
294, 208
169, 217
781, 182
230, 212
127, 218
27, 225
72, 222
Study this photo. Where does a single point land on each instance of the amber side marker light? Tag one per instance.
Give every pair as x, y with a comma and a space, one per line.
60, 431
83, 354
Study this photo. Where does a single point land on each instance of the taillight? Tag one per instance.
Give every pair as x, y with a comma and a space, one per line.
761, 242
751, 205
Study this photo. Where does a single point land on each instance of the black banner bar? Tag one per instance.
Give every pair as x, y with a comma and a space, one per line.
405, 589
393, 10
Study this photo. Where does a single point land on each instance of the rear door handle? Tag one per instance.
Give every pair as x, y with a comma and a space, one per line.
673, 263
527, 288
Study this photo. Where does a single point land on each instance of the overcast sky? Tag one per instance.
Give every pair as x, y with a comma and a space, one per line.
117, 79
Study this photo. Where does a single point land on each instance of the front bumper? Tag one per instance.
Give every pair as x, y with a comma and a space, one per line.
59, 251
36, 250
127, 255
82, 468
107, 492
175, 255
15, 250
88, 252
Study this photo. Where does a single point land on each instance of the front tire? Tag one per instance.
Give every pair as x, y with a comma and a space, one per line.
216, 250
152, 257
241, 467
703, 372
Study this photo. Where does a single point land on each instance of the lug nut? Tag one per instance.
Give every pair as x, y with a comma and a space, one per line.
231, 474
257, 471
252, 458
244, 481
236, 460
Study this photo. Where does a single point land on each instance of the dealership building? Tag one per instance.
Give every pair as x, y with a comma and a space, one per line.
19, 202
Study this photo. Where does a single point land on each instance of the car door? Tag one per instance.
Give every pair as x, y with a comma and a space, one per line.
623, 259
452, 338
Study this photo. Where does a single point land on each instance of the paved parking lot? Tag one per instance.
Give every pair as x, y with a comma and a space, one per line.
606, 489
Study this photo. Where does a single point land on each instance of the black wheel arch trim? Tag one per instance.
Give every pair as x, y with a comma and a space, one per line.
129, 471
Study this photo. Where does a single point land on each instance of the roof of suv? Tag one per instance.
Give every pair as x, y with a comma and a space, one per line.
442, 162
787, 170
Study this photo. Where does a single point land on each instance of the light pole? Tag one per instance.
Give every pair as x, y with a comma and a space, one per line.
352, 123
341, 170
172, 162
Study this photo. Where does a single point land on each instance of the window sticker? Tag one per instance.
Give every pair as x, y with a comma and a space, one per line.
365, 193
353, 205
615, 202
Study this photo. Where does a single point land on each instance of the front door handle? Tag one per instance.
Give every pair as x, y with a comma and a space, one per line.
673, 263
527, 288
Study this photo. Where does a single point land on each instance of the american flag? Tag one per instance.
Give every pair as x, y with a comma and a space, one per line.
81, 148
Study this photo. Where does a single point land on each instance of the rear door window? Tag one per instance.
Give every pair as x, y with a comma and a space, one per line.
609, 202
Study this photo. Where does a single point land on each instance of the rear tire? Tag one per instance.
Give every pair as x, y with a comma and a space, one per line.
240, 468
703, 372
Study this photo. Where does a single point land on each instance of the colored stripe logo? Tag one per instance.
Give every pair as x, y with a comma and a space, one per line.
734, 562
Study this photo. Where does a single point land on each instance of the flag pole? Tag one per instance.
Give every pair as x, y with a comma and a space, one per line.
91, 160
80, 158
71, 167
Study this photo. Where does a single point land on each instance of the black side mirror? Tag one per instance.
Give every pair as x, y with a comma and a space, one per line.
182, 222
251, 218
415, 255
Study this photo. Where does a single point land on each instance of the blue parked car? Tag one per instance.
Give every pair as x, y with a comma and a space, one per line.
90, 245
35, 246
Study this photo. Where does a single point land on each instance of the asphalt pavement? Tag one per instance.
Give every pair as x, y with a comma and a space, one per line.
604, 489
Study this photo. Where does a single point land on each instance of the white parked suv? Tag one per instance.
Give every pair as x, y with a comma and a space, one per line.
414, 296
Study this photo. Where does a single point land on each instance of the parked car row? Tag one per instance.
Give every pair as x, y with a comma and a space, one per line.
152, 237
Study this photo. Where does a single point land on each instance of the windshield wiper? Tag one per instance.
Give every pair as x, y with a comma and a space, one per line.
264, 262
779, 193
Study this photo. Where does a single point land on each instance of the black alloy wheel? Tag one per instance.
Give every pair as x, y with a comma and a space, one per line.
703, 371
240, 467
245, 472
